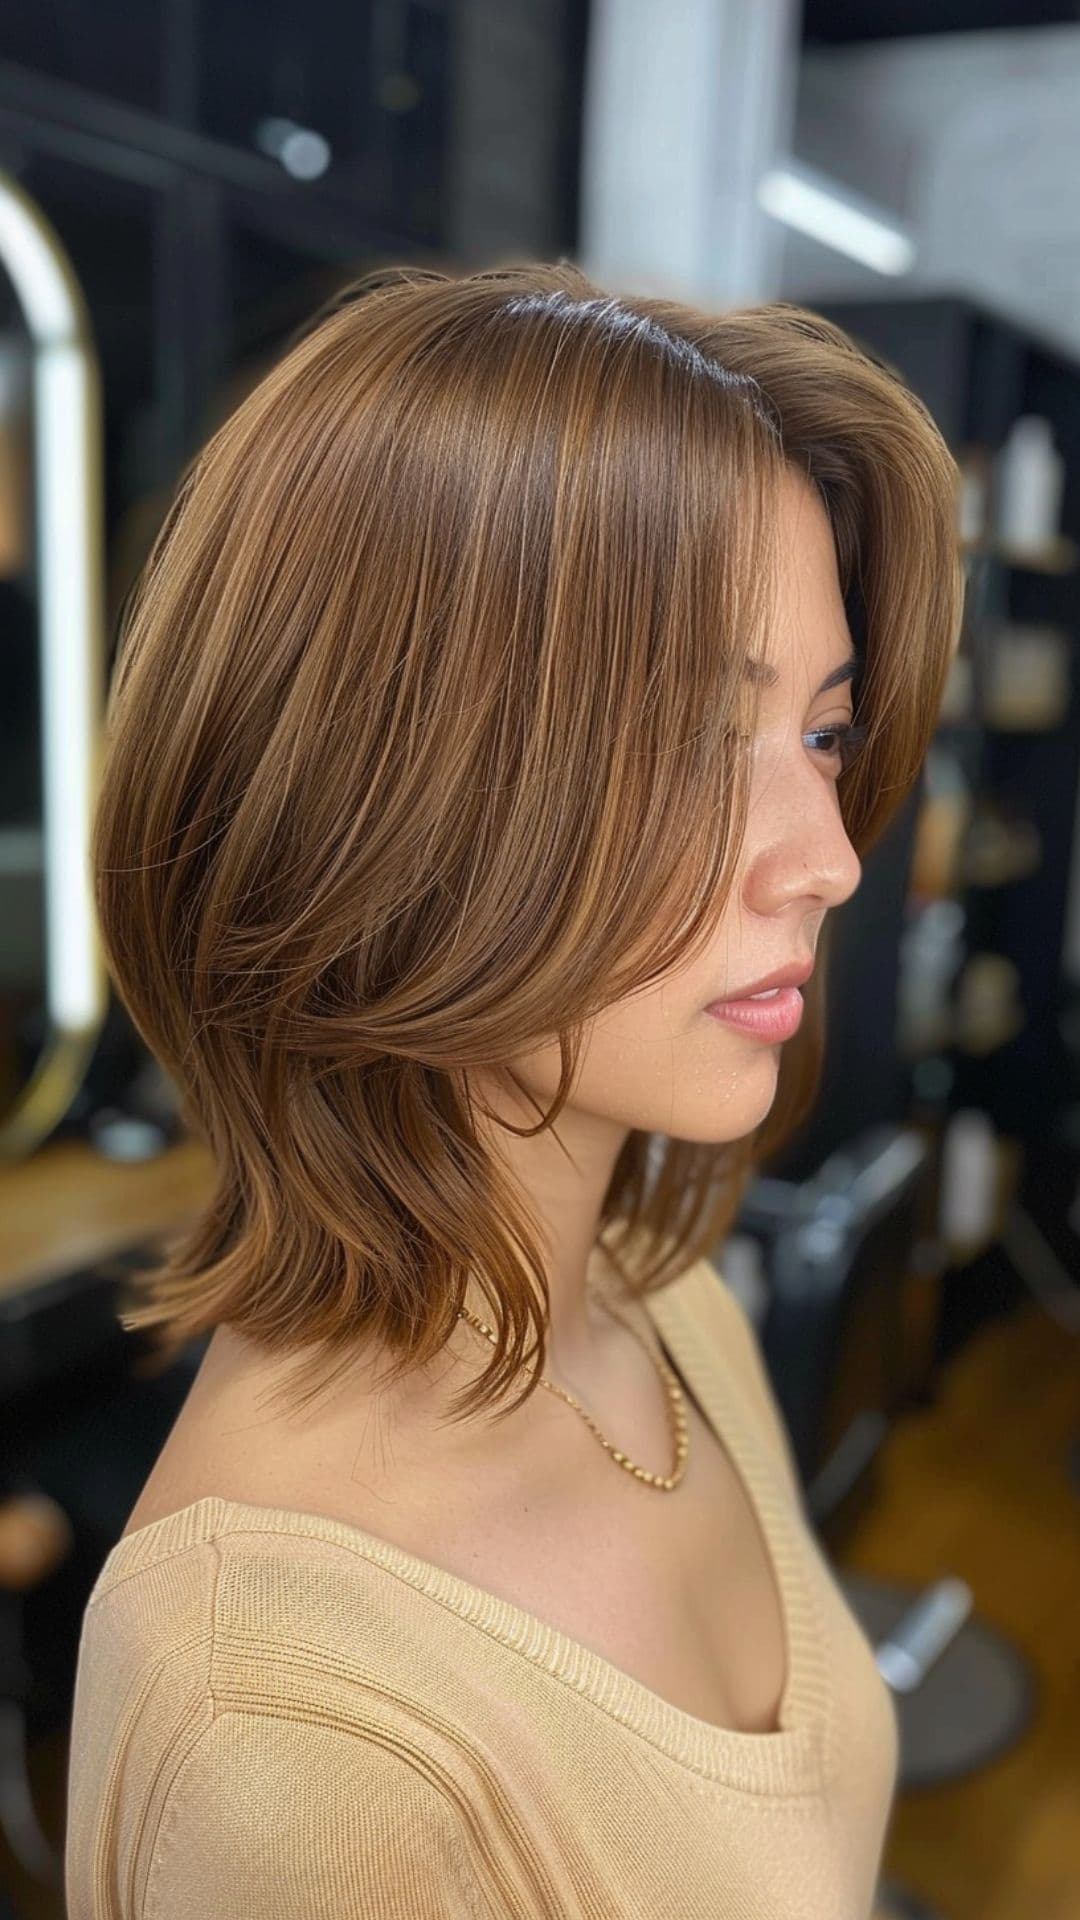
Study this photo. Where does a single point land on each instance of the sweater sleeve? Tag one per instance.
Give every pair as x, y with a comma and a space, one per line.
285, 1819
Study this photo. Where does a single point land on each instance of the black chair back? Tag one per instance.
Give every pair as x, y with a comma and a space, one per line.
839, 1249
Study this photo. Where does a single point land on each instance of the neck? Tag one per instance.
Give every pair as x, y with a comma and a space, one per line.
563, 1175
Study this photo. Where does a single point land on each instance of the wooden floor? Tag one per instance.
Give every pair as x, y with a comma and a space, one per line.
984, 1485
978, 1485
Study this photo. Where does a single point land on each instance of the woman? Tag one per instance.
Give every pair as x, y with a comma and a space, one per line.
516, 684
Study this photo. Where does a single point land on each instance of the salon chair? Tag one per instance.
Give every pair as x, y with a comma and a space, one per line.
839, 1252
840, 1248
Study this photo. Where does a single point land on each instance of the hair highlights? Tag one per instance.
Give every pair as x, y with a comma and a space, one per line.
426, 741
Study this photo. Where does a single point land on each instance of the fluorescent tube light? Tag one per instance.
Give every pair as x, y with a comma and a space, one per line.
830, 213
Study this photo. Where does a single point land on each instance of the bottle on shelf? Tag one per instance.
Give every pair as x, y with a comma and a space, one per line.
973, 504
989, 1009
1000, 844
1029, 486
969, 1180
1027, 686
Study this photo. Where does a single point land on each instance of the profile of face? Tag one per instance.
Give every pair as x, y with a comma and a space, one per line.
658, 1060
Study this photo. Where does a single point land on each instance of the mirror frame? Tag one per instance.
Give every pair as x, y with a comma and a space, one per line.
68, 448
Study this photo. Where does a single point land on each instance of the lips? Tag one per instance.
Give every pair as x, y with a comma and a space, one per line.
794, 975
774, 1020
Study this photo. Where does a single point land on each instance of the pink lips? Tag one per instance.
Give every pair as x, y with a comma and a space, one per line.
774, 1019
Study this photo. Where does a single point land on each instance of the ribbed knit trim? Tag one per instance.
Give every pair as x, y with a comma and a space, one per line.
787, 1762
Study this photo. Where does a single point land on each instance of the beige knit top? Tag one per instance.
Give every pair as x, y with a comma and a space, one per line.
280, 1717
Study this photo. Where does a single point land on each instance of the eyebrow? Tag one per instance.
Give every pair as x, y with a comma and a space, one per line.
763, 675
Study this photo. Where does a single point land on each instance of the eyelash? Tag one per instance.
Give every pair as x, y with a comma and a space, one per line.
852, 739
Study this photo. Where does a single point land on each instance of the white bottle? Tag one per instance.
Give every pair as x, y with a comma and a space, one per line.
1030, 485
969, 1175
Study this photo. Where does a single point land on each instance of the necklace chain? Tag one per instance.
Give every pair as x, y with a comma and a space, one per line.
664, 1482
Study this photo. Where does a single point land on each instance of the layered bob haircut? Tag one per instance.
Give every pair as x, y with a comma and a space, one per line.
428, 738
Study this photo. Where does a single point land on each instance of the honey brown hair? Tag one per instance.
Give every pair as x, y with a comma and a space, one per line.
426, 740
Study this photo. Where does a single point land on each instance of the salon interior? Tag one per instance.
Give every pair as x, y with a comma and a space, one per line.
181, 184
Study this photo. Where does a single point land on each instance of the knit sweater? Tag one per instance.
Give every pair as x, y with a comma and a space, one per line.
280, 1717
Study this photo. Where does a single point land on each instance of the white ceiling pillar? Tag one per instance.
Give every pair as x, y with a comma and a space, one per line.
687, 105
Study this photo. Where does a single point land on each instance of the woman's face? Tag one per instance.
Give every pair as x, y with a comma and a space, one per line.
657, 1060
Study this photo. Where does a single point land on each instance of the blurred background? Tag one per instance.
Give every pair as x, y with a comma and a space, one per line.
181, 184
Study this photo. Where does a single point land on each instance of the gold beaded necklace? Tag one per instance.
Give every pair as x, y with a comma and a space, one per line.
664, 1482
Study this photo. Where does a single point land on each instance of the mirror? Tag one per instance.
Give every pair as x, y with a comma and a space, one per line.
53, 982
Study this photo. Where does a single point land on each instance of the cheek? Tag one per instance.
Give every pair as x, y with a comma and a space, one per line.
654, 1041
678, 1072
661, 1064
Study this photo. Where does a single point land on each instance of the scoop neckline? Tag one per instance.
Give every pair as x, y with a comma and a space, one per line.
787, 1760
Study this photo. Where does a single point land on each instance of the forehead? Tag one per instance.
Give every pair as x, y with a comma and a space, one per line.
810, 632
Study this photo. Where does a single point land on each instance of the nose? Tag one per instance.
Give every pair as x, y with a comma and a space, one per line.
801, 854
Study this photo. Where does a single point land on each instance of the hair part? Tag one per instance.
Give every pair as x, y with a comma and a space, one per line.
426, 741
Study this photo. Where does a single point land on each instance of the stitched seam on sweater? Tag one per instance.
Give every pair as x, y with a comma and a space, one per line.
470, 1892
167, 1800
293, 1655
289, 1651
140, 1690
171, 1808
529, 1862
118, 1580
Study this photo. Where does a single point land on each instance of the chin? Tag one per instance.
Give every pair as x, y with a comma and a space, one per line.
714, 1123
718, 1130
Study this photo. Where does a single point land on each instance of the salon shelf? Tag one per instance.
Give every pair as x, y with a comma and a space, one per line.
1015, 730
947, 1039
977, 371
968, 727
1058, 556
1003, 1037
1002, 879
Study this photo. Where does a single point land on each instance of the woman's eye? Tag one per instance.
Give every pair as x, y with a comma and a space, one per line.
846, 739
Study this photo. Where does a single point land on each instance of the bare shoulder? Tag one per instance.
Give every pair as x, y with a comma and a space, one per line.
359, 1458
224, 1442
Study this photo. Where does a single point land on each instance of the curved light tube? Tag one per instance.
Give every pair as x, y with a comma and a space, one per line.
69, 529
